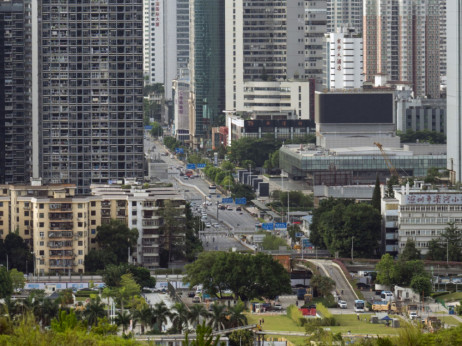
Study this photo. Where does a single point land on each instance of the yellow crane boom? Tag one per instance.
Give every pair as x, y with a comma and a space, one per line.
390, 166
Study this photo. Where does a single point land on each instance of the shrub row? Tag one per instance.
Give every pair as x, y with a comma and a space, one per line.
295, 315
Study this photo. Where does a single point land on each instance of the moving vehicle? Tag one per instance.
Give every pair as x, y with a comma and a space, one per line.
342, 304
196, 299
387, 296
212, 189
189, 173
412, 311
359, 305
238, 208
384, 306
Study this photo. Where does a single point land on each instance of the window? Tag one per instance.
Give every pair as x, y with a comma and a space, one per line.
93, 204
80, 224
80, 205
42, 243
41, 224
93, 213
80, 243
26, 213
79, 215
26, 222
42, 253
134, 204
93, 222
80, 252
41, 215
42, 234
93, 231
41, 206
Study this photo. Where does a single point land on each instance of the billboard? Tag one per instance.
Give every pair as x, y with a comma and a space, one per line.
354, 108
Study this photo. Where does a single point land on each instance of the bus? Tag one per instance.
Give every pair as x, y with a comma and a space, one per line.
189, 173
212, 189
359, 305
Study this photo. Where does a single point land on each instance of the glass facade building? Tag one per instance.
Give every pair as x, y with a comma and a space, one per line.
15, 92
207, 61
329, 168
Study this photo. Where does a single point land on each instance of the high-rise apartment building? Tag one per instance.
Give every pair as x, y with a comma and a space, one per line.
92, 91
443, 35
182, 34
401, 40
15, 91
454, 89
315, 29
207, 68
346, 14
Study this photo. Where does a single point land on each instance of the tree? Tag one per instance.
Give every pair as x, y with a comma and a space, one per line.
218, 315
193, 244
421, 284
390, 193
17, 279
6, 286
242, 191
98, 260
248, 276
122, 319
236, 315
157, 130
272, 242
453, 239
197, 312
114, 239
171, 233
204, 337
436, 250
241, 338
293, 230
66, 321
323, 284
180, 317
376, 195
144, 316
113, 273
337, 222
386, 271
160, 315
410, 252
94, 311
128, 289
18, 252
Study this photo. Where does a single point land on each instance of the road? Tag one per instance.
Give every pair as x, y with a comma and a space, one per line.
341, 284
196, 191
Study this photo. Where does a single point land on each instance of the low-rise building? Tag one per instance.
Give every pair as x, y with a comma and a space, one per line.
61, 228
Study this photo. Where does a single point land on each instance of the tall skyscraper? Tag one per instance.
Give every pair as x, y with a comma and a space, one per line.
207, 68
401, 40
15, 91
454, 91
92, 91
182, 34
345, 14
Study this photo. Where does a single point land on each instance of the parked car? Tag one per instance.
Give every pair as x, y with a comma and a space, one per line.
191, 294
277, 306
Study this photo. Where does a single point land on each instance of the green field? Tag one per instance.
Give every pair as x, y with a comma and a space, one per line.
451, 296
449, 320
347, 322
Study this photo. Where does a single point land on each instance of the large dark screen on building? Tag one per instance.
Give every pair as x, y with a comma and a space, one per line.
354, 108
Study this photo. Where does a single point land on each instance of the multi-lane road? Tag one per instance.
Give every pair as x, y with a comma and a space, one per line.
196, 191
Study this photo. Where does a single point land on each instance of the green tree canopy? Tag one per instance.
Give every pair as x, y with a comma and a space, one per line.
272, 242
376, 195
6, 286
431, 137
337, 222
18, 252
157, 130
410, 252
112, 275
114, 239
248, 276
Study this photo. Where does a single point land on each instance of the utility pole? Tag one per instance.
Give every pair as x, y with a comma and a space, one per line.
447, 253
352, 238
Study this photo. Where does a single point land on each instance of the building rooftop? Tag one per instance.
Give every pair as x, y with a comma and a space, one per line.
310, 150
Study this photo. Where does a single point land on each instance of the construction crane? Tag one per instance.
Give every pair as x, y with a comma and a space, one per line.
390, 166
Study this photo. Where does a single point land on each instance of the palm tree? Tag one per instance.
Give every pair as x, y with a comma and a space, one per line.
160, 315
217, 316
236, 316
45, 310
94, 310
9, 307
122, 319
180, 317
196, 312
144, 316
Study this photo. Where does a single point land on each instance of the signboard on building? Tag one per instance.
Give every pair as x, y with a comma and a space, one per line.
433, 198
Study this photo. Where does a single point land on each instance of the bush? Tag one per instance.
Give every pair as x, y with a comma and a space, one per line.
328, 301
321, 309
296, 315
437, 294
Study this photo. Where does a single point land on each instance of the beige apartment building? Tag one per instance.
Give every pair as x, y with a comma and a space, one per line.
61, 227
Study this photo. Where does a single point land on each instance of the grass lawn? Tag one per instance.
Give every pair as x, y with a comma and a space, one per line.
451, 296
347, 323
449, 320
275, 322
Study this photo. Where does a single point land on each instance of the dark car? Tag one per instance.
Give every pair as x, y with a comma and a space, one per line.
362, 286
191, 294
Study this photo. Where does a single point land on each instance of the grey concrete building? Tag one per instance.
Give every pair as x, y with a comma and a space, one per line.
346, 14
92, 91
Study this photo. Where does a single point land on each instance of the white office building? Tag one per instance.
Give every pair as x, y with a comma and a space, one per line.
454, 93
344, 60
